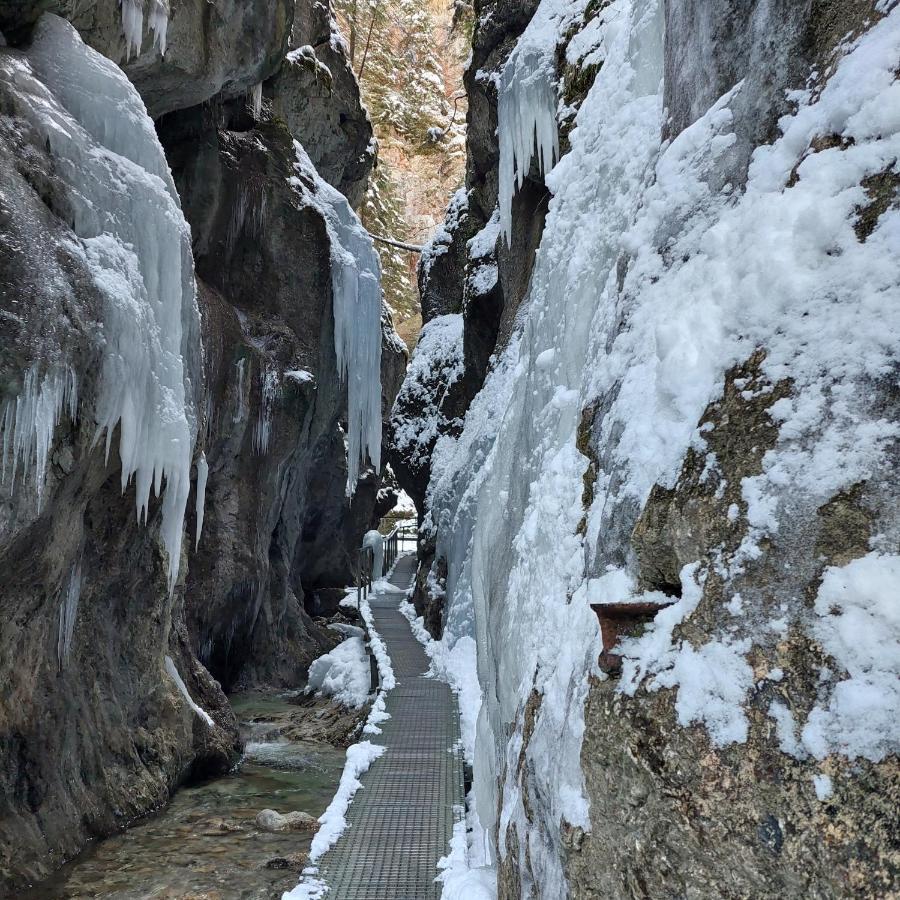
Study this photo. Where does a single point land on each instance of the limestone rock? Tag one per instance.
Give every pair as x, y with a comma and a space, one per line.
294, 861
317, 96
271, 820
213, 46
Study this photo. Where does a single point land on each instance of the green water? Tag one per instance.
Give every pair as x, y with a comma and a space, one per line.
205, 845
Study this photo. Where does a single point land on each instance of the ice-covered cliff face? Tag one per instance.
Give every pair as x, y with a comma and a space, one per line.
696, 408
192, 336
136, 244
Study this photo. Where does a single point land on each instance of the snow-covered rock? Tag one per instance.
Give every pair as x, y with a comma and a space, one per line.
691, 403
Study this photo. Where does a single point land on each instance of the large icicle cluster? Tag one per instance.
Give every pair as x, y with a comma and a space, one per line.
527, 102
28, 421
135, 240
356, 290
133, 25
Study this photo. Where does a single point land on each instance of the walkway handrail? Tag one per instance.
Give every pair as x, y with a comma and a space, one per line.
366, 563
364, 573
394, 543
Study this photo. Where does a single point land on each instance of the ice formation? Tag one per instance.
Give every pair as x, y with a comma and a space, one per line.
29, 420
159, 23
777, 265
137, 244
172, 672
356, 293
256, 99
241, 410
374, 541
527, 103
68, 612
202, 476
262, 429
133, 25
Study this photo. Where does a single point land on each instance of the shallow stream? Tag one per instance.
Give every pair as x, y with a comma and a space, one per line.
205, 845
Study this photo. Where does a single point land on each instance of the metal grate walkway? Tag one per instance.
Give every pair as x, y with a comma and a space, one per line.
401, 820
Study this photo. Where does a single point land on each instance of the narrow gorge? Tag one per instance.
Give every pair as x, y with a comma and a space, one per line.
589, 589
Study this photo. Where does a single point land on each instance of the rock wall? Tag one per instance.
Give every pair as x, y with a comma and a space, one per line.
95, 730
483, 282
711, 755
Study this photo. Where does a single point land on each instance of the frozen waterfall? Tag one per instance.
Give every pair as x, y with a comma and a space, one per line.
136, 242
513, 478
356, 292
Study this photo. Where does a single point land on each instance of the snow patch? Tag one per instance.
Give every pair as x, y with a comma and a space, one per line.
458, 666
333, 821
858, 625
343, 673
458, 880
436, 365
440, 241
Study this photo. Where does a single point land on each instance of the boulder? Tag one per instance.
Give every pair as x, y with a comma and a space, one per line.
271, 820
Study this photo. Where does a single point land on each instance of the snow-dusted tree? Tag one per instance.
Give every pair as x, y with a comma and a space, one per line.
408, 56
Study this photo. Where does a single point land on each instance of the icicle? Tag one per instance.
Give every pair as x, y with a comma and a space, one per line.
68, 612
527, 101
30, 419
159, 23
132, 25
239, 413
249, 211
202, 475
356, 297
263, 428
173, 674
256, 100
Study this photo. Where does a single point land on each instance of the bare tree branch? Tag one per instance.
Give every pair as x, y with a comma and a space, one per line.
402, 245
362, 65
